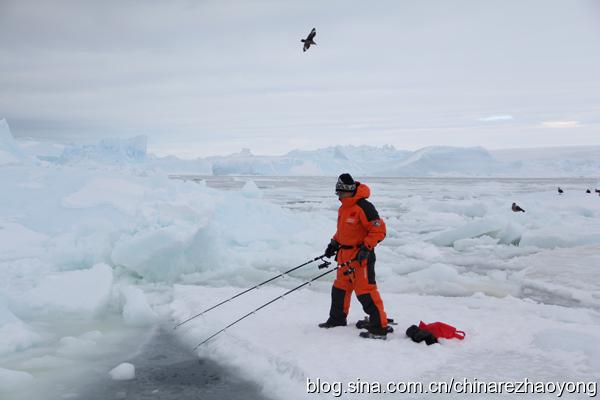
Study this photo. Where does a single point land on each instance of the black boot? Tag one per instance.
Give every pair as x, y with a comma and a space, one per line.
365, 323
376, 332
331, 323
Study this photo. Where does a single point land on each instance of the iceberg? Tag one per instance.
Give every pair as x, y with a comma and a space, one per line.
112, 151
10, 151
446, 161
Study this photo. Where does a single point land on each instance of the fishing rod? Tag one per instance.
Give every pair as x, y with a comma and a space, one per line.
254, 287
324, 265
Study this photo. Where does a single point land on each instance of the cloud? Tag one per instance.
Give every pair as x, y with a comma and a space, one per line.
495, 118
560, 124
216, 75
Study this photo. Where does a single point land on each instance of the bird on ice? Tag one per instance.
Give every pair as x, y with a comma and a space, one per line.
516, 208
560, 191
309, 40
588, 191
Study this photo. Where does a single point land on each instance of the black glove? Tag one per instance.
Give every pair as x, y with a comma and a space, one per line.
418, 335
363, 253
332, 248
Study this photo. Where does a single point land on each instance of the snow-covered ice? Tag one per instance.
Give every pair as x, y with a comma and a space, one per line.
92, 256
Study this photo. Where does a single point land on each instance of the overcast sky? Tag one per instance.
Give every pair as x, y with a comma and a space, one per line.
211, 77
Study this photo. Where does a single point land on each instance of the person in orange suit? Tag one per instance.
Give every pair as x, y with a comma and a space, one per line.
359, 230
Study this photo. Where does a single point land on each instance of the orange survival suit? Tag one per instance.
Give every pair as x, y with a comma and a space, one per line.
358, 224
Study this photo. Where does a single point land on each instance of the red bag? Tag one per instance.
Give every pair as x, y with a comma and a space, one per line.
442, 330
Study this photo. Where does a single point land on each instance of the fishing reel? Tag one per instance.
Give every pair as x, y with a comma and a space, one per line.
325, 264
349, 271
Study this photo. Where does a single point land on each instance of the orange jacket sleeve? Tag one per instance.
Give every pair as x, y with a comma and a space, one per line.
374, 225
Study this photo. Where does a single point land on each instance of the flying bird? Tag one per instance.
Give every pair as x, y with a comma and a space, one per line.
560, 191
516, 208
309, 40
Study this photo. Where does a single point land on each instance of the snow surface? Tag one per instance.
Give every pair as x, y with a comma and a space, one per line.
92, 257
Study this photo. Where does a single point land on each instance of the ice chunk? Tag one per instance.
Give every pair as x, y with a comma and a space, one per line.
510, 234
119, 193
549, 240
123, 372
47, 362
8, 158
83, 291
466, 208
469, 243
14, 334
136, 311
44, 150
251, 190
81, 346
164, 253
565, 277
92, 335
506, 232
71, 346
422, 251
474, 229
17, 241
